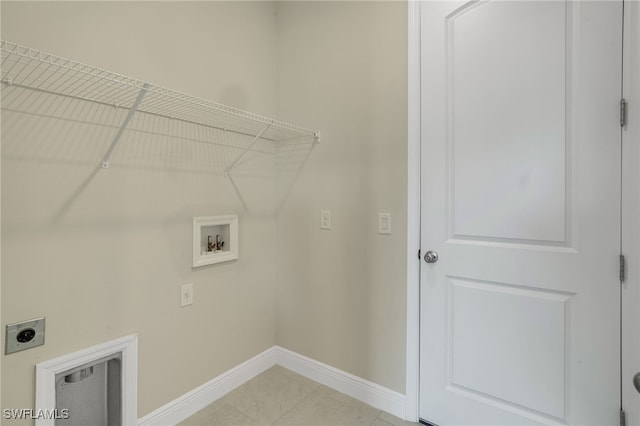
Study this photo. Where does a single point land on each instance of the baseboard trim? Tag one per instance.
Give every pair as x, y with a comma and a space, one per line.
368, 392
193, 401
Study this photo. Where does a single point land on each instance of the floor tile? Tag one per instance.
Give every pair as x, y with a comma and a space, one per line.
219, 415
393, 420
280, 369
329, 408
379, 422
281, 397
270, 395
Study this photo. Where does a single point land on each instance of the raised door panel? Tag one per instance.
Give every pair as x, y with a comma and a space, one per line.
507, 121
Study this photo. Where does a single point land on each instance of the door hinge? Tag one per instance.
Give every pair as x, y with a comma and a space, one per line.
623, 112
623, 267
623, 418
418, 253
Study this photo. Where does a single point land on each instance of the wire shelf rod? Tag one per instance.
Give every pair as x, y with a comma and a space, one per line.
63, 95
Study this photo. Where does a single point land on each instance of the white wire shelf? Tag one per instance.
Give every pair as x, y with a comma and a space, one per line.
34, 70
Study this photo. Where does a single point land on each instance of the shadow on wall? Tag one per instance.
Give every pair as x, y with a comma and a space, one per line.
42, 131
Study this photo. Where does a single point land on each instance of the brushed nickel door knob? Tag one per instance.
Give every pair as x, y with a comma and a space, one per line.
431, 257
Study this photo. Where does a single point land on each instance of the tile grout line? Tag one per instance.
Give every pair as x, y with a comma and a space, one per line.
296, 404
379, 418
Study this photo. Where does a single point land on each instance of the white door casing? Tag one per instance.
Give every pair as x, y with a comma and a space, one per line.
631, 213
520, 197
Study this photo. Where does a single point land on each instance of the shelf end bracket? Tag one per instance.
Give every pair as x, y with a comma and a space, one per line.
125, 123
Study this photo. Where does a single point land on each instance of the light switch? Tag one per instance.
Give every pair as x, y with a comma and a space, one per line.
384, 223
325, 219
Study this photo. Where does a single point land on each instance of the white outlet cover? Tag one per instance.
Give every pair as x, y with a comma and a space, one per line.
186, 294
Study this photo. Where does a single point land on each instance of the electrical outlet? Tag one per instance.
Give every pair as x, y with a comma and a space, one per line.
24, 335
325, 219
186, 294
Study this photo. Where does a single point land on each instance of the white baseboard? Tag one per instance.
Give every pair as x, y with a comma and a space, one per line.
193, 401
368, 392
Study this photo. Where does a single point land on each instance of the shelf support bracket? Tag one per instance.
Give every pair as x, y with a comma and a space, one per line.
125, 123
255, 139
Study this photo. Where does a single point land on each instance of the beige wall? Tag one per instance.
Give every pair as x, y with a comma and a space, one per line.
342, 293
102, 253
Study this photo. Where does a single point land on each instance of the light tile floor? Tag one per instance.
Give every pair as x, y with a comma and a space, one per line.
281, 397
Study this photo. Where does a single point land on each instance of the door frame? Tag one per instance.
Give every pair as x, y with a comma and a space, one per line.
630, 213
413, 214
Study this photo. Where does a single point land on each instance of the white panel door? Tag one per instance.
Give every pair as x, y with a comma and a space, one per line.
520, 319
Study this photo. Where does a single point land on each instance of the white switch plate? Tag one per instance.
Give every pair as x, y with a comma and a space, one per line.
325, 219
384, 223
186, 294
